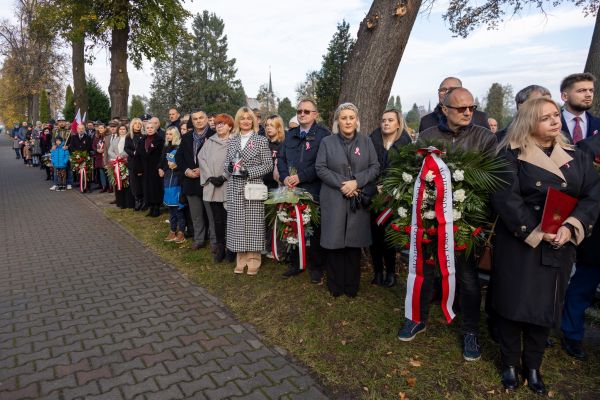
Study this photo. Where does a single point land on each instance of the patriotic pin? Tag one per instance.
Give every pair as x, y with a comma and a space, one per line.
357, 151
307, 146
251, 144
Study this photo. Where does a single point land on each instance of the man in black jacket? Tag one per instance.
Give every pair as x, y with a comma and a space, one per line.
187, 165
81, 142
174, 118
437, 116
296, 166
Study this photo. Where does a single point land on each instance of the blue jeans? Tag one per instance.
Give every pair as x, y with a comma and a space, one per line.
101, 174
18, 153
177, 219
580, 295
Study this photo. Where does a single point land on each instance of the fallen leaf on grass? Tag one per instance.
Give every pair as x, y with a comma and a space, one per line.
551, 394
404, 372
301, 341
345, 323
389, 353
491, 391
402, 396
415, 363
396, 310
329, 304
412, 381
344, 342
366, 389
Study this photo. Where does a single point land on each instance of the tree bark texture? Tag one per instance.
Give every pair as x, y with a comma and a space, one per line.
78, 62
371, 69
593, 64
118, 89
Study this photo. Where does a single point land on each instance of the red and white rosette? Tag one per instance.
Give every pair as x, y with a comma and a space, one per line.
445, 240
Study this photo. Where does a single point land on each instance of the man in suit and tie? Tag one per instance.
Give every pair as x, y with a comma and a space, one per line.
577, 91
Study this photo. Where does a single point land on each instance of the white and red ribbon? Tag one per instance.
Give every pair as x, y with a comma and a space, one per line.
445, 240
383, 217
300, 235
82, 178
117, 170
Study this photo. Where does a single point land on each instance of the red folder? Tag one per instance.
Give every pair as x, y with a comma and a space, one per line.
557, 209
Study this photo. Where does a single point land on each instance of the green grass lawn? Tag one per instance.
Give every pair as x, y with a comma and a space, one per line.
351, 344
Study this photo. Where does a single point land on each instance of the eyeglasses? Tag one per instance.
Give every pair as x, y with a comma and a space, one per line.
461, 110
446, 89
305, 112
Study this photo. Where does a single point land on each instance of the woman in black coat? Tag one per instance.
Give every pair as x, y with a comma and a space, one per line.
150, 152
531, 268
133, 162
391, 134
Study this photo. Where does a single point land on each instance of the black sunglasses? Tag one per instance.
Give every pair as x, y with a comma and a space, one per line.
461, 110
305, 112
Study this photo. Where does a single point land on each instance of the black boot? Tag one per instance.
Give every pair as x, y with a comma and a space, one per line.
377, 279
150, 211
230, 256
535, 382
155, 211
510, 379
390, 280
219, 254
138, 205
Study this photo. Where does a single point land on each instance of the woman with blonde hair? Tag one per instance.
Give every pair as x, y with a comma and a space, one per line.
347, 164
532, 267
390, 134
136, 132
248, 160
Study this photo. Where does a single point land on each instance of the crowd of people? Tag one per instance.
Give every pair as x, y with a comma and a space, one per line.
207, 170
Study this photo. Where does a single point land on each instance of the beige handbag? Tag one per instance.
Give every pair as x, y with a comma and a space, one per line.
256, 191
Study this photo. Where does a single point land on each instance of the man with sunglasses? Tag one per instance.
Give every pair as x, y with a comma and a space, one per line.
433, 119
456, 132
296, 166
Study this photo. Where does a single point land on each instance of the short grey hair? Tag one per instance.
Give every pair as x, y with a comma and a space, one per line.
344, 106
308, 100
523, 95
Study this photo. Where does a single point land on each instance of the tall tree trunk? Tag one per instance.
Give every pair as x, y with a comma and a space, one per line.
35, 108
593, 64
370, 72
118, 88
79, 82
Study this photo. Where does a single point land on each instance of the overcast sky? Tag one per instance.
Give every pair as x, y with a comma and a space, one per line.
291, 37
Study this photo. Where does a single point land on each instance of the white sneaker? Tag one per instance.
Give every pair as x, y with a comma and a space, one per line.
53, 187
69, 187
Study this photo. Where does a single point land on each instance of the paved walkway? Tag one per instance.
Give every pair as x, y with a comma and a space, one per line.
88, 312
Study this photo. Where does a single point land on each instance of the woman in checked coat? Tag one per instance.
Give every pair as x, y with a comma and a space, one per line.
248, 160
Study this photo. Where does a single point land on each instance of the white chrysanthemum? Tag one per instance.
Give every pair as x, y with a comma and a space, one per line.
456, 215
292, 240
458, 175
459, 195
429, 215
425, 195
430, 176
396, 194
402, 212
407, 177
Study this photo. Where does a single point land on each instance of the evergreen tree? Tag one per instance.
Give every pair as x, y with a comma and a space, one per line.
137, 107
390, 103
398, 104
199, 74
44, 107
98, 101
495, 102
413, 117
329, 80
286, 110
69, 108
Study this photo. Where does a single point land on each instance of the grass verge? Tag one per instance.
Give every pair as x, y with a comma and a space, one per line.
351, 343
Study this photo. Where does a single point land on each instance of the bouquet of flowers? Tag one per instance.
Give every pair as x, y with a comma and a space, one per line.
597, 163
81, 163
293, 214
118, 173
474, 176
46, 160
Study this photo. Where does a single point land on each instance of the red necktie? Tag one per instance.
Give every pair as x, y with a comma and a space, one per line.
577, 132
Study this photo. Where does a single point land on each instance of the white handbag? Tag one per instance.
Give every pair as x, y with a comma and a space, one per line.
256, 191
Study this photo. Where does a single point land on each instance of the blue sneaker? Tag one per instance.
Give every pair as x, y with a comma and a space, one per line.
471, 349
410, 330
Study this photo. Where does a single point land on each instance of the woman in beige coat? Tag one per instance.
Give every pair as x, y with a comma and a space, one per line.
210, 161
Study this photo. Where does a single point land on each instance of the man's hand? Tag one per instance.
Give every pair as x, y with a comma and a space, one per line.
291, 181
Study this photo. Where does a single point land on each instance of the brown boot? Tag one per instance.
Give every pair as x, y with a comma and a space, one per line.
170, 237
179, 238
254, 260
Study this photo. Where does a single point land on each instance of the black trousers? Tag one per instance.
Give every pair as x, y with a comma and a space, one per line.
219, 215
381, 253
315, 254
468, 292
343, 271
533, 338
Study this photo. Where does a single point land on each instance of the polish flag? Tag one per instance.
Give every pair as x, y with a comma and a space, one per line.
76, 121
